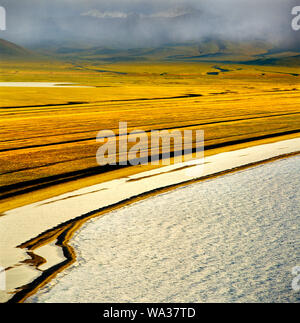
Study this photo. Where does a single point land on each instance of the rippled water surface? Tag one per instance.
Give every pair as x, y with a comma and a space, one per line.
235, 238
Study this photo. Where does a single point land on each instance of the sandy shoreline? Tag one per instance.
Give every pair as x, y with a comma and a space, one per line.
61, 211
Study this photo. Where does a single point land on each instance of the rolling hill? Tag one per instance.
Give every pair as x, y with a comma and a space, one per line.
208, 50
10, 50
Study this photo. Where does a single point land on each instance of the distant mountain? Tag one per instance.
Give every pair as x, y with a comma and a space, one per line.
207, 50
10, 50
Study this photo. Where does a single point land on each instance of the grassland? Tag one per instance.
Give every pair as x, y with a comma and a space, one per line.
48, 135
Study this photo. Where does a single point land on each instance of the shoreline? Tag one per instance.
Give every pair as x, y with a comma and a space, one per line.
67, 231
63, 232
231, 238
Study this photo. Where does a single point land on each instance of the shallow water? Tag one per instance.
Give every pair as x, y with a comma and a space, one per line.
38, 84
235, 238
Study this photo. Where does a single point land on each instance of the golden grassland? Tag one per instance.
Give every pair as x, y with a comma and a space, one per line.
50, 133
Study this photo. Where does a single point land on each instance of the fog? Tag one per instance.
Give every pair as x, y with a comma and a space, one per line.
141, 23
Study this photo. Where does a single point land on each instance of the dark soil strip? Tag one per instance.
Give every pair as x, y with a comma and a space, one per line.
32, 185
171, 128
45, 105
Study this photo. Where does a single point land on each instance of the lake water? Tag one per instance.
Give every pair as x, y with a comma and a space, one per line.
38, 84
234, 238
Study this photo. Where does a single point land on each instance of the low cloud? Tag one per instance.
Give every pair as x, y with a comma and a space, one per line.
142, 23
171, 13
106, 14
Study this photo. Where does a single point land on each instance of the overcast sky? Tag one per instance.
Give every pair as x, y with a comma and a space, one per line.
140, 23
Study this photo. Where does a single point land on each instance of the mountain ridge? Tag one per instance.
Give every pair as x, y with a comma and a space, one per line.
208, 50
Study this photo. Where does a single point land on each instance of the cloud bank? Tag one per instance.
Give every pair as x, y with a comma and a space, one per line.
142, 23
